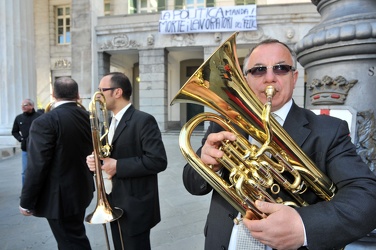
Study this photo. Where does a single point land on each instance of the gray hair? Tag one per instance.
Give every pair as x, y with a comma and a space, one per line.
29, 101
269, 41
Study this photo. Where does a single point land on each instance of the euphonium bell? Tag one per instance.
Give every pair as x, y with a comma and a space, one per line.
220, 85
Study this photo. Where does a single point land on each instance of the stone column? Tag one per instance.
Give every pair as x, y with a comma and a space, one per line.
339, 55
104, 64
208, 51
17, 63
153, 84
84, 58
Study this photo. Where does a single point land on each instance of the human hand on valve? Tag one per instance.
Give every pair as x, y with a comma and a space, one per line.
282, 228
108, 165
210, 151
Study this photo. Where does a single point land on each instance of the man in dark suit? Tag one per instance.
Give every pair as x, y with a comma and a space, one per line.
137, 156
321, 225
58, 185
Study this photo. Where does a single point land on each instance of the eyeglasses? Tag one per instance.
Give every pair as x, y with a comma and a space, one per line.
279, 69
105, 89
26, 104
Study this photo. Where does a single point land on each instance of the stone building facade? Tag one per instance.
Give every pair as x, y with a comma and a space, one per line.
41, 40
102, 36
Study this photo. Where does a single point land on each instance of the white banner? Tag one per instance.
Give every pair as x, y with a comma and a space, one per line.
217, 19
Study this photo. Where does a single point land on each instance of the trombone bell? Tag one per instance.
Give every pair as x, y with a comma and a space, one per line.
103, 214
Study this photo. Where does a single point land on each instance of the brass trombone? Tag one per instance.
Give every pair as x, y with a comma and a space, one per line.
103, 212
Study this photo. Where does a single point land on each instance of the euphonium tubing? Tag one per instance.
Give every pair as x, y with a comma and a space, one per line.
50, 106
220, 85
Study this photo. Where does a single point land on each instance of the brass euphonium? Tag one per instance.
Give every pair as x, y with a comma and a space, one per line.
103, 212
254, 174
51, 105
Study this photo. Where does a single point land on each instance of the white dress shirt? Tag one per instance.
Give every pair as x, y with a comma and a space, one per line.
115, 119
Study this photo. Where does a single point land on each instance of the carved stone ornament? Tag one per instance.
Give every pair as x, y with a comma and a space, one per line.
62, 64
119, 42
253, 36
150, 40
366, 144
329, 91
290, 33
217, 36
183, 39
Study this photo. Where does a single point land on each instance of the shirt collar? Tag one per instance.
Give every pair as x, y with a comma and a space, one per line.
120, 114
61, 103
282, 112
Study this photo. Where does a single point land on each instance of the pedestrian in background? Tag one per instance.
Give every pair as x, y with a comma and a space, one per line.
21, 127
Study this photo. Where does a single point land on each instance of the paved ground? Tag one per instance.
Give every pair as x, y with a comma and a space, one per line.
183, 215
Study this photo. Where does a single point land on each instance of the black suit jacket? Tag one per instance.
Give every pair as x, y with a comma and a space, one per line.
329, 225
140, 154
58, 182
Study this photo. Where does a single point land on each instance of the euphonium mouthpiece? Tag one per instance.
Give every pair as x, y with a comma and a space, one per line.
270, 91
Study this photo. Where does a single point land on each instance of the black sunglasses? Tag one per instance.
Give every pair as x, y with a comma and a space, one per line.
279, 69
105, 89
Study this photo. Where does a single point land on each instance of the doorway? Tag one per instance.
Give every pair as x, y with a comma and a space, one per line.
187, 68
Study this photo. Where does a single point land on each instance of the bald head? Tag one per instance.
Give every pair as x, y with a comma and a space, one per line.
65, 88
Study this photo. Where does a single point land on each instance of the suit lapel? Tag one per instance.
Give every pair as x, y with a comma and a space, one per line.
123, 122
295, 125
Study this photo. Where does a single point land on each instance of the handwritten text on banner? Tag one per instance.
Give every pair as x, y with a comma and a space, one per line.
217, 19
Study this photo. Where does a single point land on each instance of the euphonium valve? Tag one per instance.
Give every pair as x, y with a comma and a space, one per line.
259, 170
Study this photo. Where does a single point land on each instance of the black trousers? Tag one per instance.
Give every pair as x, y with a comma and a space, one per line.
70, 232
135, 242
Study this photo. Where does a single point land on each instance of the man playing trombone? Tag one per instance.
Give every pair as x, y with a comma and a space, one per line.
137, 156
